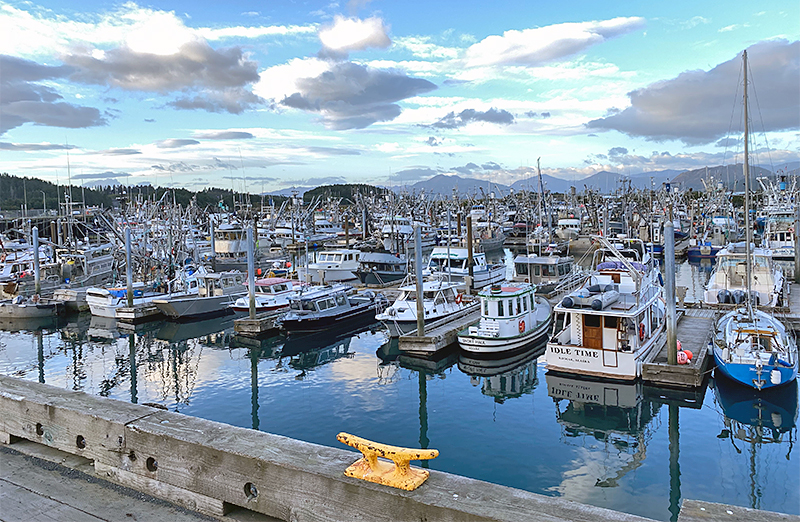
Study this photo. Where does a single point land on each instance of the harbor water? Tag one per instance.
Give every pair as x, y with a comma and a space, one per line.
626, 447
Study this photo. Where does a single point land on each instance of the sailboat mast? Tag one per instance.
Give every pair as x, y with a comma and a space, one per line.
746, 168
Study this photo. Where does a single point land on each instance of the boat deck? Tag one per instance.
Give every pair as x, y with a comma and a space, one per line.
695, 328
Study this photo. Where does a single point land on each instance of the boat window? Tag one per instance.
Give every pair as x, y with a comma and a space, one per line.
536, 270
519, 305
524, 304
341, 300
500, 308
591, 321
522, 268
762, 342
610, 322
294, 305
337, 257
322, 304
331, 302
561, 270
549, 270
533, 302
309, 306
485, 307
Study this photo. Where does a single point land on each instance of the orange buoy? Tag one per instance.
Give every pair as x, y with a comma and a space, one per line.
689, 354
682, 357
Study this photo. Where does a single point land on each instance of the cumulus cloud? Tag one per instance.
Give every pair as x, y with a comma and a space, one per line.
491, 166
353, 96
223, 135
433, 141
234, 101
24, 100
695, 106
345, 35
534, 47
175, 143
467, 116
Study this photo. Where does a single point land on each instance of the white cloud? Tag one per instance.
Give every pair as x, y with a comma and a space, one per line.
532, 47
255, 31
280, 81
353, 34
421, 47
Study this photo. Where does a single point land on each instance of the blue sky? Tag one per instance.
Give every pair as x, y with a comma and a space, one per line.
264, 96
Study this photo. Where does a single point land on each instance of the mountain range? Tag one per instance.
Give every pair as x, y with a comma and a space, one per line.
731, 176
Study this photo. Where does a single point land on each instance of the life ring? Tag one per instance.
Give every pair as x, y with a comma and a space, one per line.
459, 298
522, 327
526, 280
641, 331
791, 230
3, 258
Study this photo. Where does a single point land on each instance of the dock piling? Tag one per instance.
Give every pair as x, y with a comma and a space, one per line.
251, 273
669, 283
418, 270
469, 254
36, 270
129, 266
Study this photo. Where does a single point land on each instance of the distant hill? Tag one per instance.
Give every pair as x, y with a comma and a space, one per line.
443, 184
732, 176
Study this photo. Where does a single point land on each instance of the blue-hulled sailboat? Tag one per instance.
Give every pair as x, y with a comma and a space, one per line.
751, 346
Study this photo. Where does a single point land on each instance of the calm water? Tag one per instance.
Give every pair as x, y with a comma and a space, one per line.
621, 446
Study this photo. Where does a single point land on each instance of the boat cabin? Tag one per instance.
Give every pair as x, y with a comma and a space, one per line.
458, 258
542, 269
320, 300
223, 283
273, 285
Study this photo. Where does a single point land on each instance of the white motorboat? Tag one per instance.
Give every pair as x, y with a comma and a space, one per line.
440, 299
728, 282
452, 263
216, 292
271, 293
331, 266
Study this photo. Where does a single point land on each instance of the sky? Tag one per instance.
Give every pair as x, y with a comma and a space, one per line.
262, 96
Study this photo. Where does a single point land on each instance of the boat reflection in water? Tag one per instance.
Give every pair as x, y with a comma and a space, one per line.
768, 416
506, 378
615, 414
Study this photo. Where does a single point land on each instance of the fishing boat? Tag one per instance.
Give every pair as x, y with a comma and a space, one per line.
329, 307
216, 292
331, 266
34, 307
106, 301
568, 228
546, 272
751, 346
440, 299
271, 293
512, 320
608, 326
453, 264
377, 268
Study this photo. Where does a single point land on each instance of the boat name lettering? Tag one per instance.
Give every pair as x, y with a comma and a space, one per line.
574, 395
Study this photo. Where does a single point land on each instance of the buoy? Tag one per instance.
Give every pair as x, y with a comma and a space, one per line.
682, 358
679, 345
458, 298
689, 354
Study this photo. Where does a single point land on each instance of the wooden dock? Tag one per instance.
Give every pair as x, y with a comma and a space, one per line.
439, 334
138, 313
695, 329
263, 323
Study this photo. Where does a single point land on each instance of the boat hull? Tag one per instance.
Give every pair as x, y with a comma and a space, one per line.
488, 347
196, 307
30, 310
749, 375
352, 317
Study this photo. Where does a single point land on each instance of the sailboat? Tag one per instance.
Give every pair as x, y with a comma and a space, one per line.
751, 346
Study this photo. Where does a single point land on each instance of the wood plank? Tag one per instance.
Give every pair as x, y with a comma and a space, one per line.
698, 511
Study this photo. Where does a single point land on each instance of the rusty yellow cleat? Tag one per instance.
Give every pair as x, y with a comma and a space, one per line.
400, 475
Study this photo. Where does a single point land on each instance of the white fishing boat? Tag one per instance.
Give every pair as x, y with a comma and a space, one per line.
440, 299
331, 266
106, 301
453, 264
397, 233
610, 324
271, 293
568, 228
512, 320
216, 292
546, 272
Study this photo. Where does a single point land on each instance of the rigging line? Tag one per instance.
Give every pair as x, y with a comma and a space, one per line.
761, 118
734, 105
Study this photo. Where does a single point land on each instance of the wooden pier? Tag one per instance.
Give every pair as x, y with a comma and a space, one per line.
695, 329
439, 334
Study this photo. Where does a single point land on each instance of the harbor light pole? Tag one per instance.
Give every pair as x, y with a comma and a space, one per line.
44, 202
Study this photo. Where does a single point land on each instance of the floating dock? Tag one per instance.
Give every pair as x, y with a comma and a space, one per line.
263, 323
695, 328
138, 313
439, 334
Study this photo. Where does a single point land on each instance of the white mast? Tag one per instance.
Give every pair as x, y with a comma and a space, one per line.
746, 168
